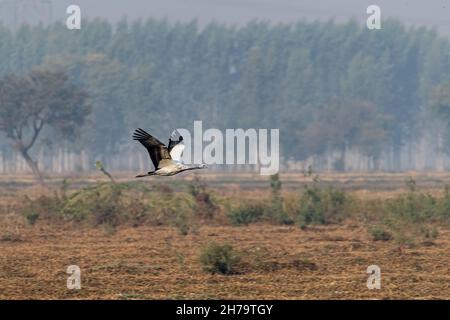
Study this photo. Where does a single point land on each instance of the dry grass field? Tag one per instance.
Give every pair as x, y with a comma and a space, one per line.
276, 261
158, 263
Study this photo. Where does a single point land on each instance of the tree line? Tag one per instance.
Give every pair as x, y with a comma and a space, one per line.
327, 86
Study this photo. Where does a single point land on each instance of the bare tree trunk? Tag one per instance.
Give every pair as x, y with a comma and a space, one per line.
33, 166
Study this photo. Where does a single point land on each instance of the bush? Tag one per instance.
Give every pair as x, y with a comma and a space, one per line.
409, 215
275, 211
246, 214
443, 206
216, 258
412, 207
31, 217
379, 234
100, 204
182, 223
43, 206
430, 233
11, 237
171, 208
321, 206
204, 205
111, 204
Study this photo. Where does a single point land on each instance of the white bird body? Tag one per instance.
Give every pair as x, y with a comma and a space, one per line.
167, 161
170, 169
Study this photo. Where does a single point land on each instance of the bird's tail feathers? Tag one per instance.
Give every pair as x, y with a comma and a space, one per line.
145, 175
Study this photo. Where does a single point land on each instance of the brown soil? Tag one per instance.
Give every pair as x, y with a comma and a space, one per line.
327, 262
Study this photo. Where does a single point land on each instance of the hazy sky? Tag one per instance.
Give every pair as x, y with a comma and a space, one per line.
429, 12
420, 12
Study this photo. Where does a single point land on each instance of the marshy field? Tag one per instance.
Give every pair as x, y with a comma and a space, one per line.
226, 236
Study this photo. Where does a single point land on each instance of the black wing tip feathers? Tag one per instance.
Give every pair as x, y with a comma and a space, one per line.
140, 134
176, 136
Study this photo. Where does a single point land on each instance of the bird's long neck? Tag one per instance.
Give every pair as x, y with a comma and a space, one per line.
193, 167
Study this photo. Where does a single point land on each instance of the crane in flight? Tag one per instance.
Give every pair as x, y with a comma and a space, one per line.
166, 160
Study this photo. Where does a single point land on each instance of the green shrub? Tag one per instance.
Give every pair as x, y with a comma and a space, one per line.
10, 237
31, 217
182, 223
429, 232
412, 207
176, 209
100, 204
275, 211
111, 204
204, 204
246, 214
379, 234
321, 206
43, 206
216, 258
310, 209
408, 216
443, 206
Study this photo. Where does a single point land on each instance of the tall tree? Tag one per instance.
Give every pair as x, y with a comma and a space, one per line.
29, 103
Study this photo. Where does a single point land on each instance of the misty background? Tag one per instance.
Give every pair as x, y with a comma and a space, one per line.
432, 13
344, 97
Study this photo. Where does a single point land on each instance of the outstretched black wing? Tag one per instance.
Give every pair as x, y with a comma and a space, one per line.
175, 138
156, 149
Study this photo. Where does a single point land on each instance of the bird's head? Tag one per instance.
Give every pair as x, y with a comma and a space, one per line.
202, 166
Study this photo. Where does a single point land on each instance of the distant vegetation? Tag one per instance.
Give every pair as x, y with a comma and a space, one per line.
321, 206
408, 217
30, 103
328, 86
